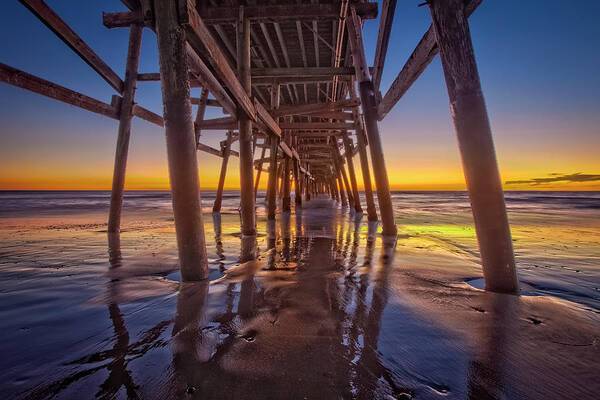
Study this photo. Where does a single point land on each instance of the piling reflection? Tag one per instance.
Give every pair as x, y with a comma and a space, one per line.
306, 313
487, 370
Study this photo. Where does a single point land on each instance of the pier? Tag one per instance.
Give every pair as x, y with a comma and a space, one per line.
300, 102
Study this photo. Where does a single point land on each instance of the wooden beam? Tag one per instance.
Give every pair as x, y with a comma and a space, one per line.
296, 80
310, 108
147, 115
209, 102
201, 40
71, 39
227, 123
267, 119
216, 15
121, 19
209, 81
149, 76
298, 126
296, 72
41, 86
420, 58
388, 9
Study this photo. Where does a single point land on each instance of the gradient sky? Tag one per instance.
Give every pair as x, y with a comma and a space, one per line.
537, 59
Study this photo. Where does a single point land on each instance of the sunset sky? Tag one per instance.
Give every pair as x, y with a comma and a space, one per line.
538, 63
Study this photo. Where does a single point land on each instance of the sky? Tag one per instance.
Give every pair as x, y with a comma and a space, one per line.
537, 61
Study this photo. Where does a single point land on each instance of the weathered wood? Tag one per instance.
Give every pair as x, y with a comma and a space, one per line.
476, 145
286, 198
297, 185
274, 141
122, 19
418, 61
369, 106
266, 118
388, 8
219, 195
202, 41
364, 161
315, 125
71, 39
312, 108
148, 115
247, 209
259, 169
226, 123
219, 15
200, 113
295, 72
41, 86
295, 80
353, 183
209, 102
124, 132
149, 76
181, 151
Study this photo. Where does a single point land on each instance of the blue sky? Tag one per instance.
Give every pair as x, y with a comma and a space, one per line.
538, 63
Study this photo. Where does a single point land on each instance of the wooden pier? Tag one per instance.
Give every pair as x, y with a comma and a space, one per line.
296, 89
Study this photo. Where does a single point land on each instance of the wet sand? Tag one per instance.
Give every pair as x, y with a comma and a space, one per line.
329, 311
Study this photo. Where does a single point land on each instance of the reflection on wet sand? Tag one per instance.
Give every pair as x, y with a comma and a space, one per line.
329, 310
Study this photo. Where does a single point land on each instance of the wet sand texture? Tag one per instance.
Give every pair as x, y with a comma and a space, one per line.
328, 311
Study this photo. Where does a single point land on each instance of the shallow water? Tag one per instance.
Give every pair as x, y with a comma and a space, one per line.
328, 311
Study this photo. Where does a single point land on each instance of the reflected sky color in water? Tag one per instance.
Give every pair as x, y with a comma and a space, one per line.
328, 311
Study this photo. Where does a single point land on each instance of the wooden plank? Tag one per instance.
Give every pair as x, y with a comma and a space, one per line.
210, 150
121, 19
209, 81
315, 125
147, 115
388, 9
317, 134
296, 72
286, 149
71, 39
209, 102
267, 119
149, 76
227, 123
305, 109
420, 58
219, 15
201, 40
296, 80
41, 86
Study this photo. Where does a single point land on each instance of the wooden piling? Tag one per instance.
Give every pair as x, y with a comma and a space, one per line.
286, 203
247, 209
355, 194
225, 150
297, 186
274, 142
181, 149
346, 183
364, 160
369, 106
125, 116
259, 172
476, 145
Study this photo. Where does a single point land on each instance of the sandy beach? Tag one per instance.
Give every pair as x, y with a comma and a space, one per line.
328, 311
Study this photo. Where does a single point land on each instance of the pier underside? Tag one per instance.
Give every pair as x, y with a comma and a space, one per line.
291, 78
